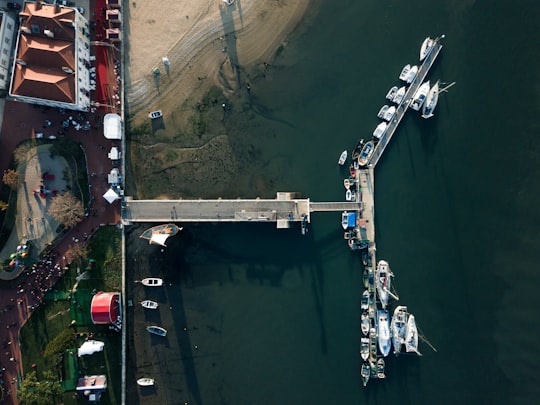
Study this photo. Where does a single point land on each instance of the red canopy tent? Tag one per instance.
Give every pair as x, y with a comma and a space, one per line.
104, 308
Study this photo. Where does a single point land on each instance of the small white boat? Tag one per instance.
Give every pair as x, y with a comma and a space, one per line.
364, 323
426, 47
348, 219
364, 303
365, 372
389, 113
398, 98
398, 327
383, 332
405, 72
420, 96
392, 93
380, 368
380, 130
384, 278
412, 74
348, 195
155, 114
411, 338
145, 382
364, 348
157, 330
382, 111
346, 183
366, 153
431, 101
149, 304
152, 282
342, 158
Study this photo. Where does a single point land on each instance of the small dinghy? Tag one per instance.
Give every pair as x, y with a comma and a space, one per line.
152, 282
157, 330
149, 304
145, 382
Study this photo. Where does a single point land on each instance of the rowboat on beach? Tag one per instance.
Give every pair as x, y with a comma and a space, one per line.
145, 382
155, 114
159, 234
148, 304
157, 330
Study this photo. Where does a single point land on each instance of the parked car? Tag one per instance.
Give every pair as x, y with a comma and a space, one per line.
13, 6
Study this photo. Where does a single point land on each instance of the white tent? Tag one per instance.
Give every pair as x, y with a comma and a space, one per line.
90, 347
113, 176
112, 126
114, 154
110, 196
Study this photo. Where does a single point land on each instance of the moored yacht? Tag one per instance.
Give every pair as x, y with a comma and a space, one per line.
364, 323
411, 338
382, 111
431, 101
398, 327
405, 72
391, 93
426, 47
412, 74
364, 348
420, 96
380, 368
383, 331
389, 114
366, 153
364, 303
380, 130
384, 280
342, 158
365, 372
398, 98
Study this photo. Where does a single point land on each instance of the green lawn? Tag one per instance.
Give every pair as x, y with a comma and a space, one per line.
54, 316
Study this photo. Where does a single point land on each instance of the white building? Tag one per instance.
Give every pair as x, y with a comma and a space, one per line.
7, 39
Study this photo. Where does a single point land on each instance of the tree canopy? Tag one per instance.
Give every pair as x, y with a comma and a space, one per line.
66, 209
11, 178
34, 391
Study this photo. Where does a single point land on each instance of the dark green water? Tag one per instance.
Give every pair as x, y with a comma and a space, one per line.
277, 314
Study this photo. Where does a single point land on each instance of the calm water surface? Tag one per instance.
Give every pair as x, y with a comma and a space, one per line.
277, 314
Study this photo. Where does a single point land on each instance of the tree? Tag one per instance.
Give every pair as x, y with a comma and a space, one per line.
63, 341
77, 253
39, 392
66, 209
3, 206
11, 178
20, 154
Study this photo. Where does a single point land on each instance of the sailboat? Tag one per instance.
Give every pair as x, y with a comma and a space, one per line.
384, 280
431, 101
159, 234
398, 327
383, 331
425, 49
411, 338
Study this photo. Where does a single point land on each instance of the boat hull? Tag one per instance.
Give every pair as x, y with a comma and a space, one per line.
383, 332
157, 330
145, 382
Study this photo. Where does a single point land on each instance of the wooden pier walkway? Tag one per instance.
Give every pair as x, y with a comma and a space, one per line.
404, 105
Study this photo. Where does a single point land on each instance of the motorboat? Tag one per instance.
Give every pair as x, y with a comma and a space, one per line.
358, 148
348, 219
157, 330
364, 323
365, 372
383, 331
365, 278
405, 72
380, 368
411, 338
412, 74
389, 114
364, 303
145, 382
347, 183
349, 195
159, 234
364, 348
380, 130
152, 282
366, 153
392, 93
155, 114
398, 327
431, 101
384, 277
426, 47
382, 111
148, 304
342, 158
352, 169
420, 96
398, 98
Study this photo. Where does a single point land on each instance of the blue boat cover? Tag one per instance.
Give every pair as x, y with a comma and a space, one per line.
351, 219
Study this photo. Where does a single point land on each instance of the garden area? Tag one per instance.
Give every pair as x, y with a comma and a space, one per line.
51, 337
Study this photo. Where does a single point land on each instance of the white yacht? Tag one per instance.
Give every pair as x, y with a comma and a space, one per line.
380, 130
384, 279
365, 373
398, 98
389, 114
412, 74
364, 303
398, 327
383, 331
426, 47
382, 111
420, 96
431, 101
391, 93
404, 72
364, 323
411, 338
364, 348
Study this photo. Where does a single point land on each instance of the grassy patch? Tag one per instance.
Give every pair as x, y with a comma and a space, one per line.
53, 317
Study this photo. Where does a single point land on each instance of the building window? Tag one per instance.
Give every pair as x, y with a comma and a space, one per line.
7, 41
9, 26
3, 62
5, 52
2, 77
35, 29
